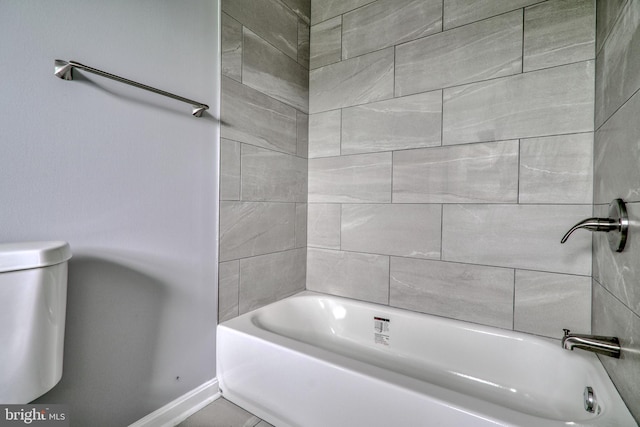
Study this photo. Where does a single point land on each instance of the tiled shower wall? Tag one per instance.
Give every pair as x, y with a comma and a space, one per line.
263, 183
450, 148
616, 285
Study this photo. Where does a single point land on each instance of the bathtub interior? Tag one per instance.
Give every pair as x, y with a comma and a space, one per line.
521, 372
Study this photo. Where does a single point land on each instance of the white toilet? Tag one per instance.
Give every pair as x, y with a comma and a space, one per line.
33, 302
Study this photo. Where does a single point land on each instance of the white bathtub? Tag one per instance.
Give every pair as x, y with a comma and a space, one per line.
317, 360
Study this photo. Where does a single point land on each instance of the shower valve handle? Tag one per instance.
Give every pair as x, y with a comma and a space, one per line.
617, 223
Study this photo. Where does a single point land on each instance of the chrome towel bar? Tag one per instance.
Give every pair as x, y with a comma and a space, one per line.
64, 70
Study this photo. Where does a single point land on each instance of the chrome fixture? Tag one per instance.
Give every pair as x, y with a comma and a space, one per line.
617, 225
64, 70
589, 400
609, 346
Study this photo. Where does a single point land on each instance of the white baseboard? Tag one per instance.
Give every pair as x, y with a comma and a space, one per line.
173, 413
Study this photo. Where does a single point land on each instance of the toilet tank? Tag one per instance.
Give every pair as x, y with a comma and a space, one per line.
33, 301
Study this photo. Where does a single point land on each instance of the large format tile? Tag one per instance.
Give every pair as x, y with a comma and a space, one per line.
611, 318
385, 23
461, 291
360, 80
268, 175
519, 236
268, 70
471, 173
255, 228
618, 64
546, 102
349, 274
229, 170
460, 12
395, 124
617, 150
323, 225
301, 225
301, 7
359, 178
545, 303
326, 43
268, 278
324, 134
228, 280
255, 118
270, 19
557, 169
559, 32
619, 272
324, 9
392, 229
483, 50
607, 12
302, 145
231, 40
304, 44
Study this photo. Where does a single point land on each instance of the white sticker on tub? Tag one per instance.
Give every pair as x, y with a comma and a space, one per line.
381, 331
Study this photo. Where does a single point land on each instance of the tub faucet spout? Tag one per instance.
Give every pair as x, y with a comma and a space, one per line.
609, 346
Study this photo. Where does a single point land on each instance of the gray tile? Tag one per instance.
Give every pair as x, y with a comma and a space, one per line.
471, 173
324, 134
264, 424
272, 176
545, 102
385, 23
460, 12
349, 274
557, 169
231, 40
323, 226
324, 9
304, 45
360, 80
481, 51
461, 291
619, 272
326, 43
611, 318
301, 225
395, 124
618, 64
221, 413
255, 118
268, 278
519, 236
255, 228
411, 230
228, 281
268, 70
301, 7
545, 303
559, 32
359, 178
270, 19
616, 152
607, 12
302, 122
229, 170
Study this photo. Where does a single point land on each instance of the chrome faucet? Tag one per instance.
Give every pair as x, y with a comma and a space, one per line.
609, 346
617, 226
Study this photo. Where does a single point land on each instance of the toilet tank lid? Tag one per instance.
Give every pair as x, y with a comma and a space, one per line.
25, 255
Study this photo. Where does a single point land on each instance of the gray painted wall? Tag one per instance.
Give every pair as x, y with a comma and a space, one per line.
263, 186
450, 148
616, 293
129, 179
